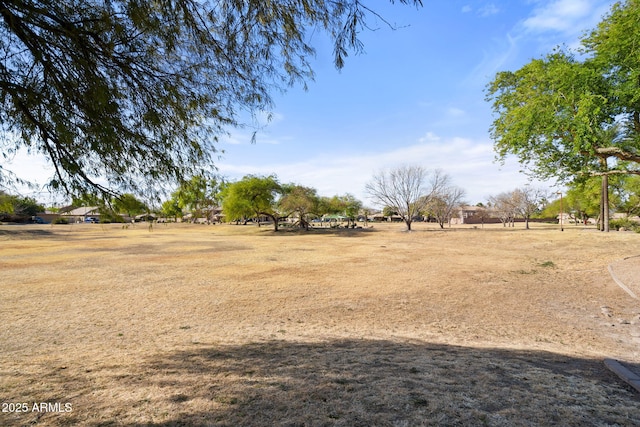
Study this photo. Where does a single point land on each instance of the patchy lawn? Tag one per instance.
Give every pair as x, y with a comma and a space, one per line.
237, 325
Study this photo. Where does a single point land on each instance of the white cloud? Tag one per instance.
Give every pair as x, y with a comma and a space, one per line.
262, 139
455, 112
32, 167
550, 23
232, 139
559, 15
570, 17
483, 11
470, 163
266, 117
36, 169
488, 10
429, 137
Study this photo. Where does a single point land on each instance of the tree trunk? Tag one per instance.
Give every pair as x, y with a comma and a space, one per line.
273, 217
604, 197
601, 213
605, 203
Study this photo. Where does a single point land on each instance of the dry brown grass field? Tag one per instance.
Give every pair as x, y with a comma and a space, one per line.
239, 326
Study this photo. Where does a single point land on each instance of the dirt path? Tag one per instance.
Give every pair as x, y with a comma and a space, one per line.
626, 273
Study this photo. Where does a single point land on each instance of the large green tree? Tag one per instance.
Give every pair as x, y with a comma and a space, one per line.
582, 200
301, 201
6, 203
171, 209
351, 208
251, 197
128, 204
346, 205
626, 191
561, 116
548, 113
130, 95
200, 195
18, 207
613, 45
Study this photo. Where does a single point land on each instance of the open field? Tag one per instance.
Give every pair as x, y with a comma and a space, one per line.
236, 325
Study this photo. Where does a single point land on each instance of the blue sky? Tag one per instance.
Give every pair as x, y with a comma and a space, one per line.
415, 96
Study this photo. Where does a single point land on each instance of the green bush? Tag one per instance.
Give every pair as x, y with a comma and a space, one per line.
60, 220
107, 217
624, 224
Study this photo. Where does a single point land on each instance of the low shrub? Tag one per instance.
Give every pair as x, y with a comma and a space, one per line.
109, 217
624, 224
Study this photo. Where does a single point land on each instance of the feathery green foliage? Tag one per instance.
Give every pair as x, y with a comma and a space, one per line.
127, 95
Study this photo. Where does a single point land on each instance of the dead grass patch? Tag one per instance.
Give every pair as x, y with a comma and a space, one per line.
236, 325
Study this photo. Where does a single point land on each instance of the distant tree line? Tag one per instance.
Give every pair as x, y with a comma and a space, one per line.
18, 208
264, 196
409, 193
526, 203
582, 201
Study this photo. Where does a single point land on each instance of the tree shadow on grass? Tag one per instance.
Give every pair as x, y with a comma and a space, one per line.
377, 383
18, 232
328, 231
294, 230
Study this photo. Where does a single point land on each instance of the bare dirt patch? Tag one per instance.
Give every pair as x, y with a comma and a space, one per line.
237, 325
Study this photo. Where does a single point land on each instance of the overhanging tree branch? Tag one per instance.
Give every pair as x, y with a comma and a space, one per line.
618, 153
136, 93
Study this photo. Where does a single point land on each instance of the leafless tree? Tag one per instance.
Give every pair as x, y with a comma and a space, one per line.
446, 200
527, 201
405, 190
502, 206
522, 202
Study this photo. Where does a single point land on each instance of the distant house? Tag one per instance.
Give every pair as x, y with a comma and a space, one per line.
621, 215
380, 217
334, 218
145, 217
81, 214
566, 218
216, 214
475, 215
